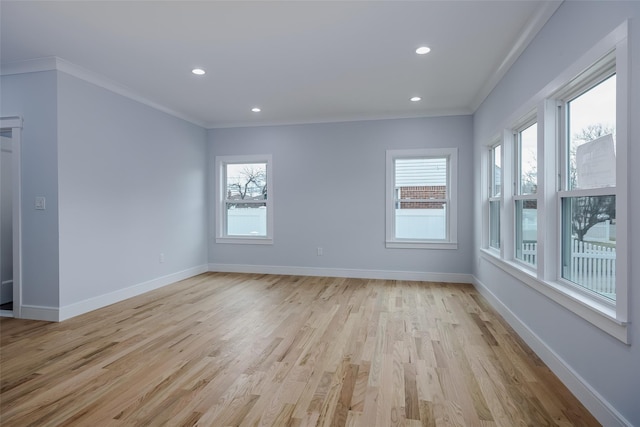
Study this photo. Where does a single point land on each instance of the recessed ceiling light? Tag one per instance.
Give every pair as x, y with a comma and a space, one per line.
415, 99
198, 71
256, 109
423, 50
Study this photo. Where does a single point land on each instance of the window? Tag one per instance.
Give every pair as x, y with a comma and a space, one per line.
525, 198
577, 188
495, 195
588, 196
421, 198
244, 199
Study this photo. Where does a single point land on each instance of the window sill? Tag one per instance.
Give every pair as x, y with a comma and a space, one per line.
395, 244
245, 240
595, 312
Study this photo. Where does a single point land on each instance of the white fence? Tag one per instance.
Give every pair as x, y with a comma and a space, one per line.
247, 221
592, 266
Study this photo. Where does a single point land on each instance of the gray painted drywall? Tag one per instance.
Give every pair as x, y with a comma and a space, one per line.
329, 190
610, 367
33, 96
133, 184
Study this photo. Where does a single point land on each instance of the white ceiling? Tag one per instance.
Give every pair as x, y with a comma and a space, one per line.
299, 61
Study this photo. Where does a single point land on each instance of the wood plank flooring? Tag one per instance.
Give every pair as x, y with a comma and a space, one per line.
267, 350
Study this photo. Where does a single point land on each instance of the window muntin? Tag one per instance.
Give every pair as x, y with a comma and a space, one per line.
588, 207
421, 204
245, 212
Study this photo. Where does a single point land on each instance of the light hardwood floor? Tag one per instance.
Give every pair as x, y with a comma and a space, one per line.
266, 350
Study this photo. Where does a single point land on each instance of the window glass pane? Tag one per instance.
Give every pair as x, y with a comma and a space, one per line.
592, 137
421, 172
494, 224
528, 155
246, 181
246, 219
496, 171
424, 223
417, 181
527, 231
589, 243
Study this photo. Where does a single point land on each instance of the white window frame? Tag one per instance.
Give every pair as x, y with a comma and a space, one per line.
220, 200
518, 196
610, 317
596, 75
451, 239
495, 198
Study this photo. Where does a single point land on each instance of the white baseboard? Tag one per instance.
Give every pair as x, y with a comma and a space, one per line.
91, 304
604, 412
36, 312
343, 272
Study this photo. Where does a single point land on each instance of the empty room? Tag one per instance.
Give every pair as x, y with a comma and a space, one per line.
319, 213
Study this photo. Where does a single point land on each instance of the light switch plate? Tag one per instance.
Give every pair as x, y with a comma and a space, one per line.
40, 203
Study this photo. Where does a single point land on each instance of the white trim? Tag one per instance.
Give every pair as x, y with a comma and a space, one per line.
399, 244
100, 301
604, 412
419, 276
598, 314
53, 63
529, 31
36, 312
345, 119
15, 124
219, 183
451, 241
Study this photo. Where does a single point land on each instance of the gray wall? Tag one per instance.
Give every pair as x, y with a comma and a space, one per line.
132, 185
34, 97
610, 367
329, 189
123, 183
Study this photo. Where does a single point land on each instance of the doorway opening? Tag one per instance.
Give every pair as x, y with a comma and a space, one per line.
10, 230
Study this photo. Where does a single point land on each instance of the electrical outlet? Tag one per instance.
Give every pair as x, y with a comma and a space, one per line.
320, 251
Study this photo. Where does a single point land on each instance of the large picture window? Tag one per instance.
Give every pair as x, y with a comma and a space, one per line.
244, 199
421, 198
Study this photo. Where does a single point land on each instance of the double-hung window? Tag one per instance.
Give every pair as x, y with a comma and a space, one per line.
244, 199
495, 195
588, 181
422, 199
567, 214
525, 197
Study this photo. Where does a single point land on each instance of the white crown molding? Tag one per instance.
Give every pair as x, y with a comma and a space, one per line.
529, 31
419, 276
344, 119
58, 64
